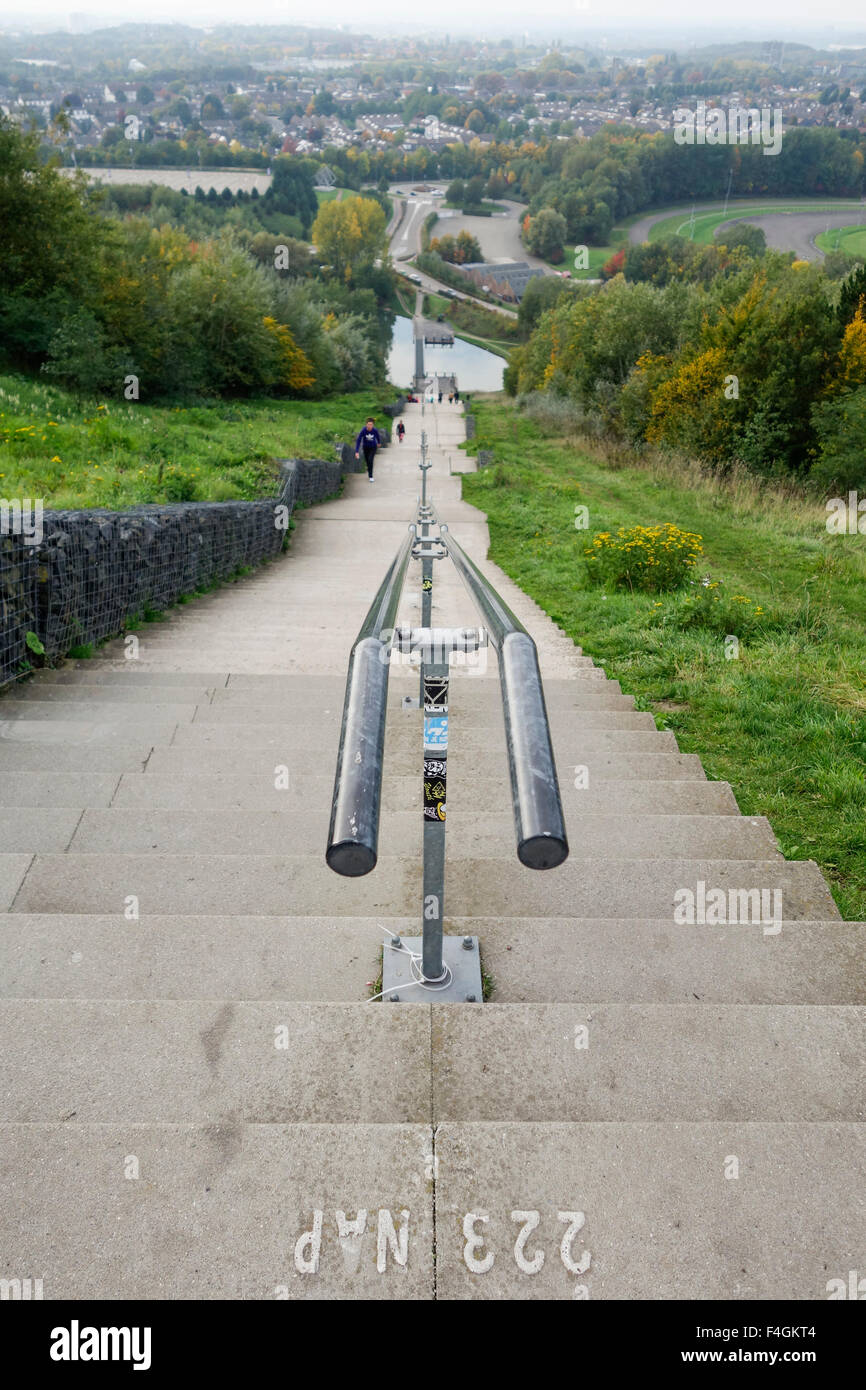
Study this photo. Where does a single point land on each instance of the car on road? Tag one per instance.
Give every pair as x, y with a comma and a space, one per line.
416, 279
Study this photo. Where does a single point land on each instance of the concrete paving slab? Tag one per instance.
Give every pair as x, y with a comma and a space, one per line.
278, 885
649, 1062
135, 830
123, 673
649, 887
108, 758
301, 885
25, 789
194, 759
199, 1061
206, 957
662, 1216
39, 830
471, 741
75, 695
217, 1211
13, 868
89, 733
116, 713
402, 792
566, 959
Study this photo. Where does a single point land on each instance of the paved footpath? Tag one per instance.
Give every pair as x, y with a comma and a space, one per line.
197, 1100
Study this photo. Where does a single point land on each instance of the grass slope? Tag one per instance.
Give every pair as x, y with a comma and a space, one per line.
785, 723
116, 453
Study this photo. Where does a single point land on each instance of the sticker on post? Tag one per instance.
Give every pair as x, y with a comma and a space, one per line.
435, 770
436, 733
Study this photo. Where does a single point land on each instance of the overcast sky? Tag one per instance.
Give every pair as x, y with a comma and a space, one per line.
732, 18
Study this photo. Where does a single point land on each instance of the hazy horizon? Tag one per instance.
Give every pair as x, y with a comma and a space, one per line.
566, 19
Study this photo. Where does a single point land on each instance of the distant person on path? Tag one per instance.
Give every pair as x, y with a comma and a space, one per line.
401, 430
369, 440
450, 397
456, 396
440, 397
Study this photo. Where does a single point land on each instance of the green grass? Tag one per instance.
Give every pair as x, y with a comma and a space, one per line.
706, 223
851, 240
598, 256
785, 723
117, 454
475, 324
327, 195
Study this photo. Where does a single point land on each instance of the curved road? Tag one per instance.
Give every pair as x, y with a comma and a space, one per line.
785, 231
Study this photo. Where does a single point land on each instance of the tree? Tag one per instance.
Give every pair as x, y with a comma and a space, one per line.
546, 235
50, 241
212, 108
350, 235
742, 234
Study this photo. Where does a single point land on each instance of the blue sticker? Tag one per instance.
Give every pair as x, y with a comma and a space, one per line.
436, 731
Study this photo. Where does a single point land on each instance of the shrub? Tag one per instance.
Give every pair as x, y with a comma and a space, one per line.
653, 559
708, 606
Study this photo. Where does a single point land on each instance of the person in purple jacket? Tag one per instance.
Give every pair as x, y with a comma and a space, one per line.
369, 440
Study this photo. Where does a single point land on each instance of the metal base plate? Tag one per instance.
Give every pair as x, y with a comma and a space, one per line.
464, 965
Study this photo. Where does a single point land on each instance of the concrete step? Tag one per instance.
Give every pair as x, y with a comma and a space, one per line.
683, 1211
94, 698
216, 1211
652, 1062
204, 1061
468, 697
203, 759
99, 673
133, 830
96, 735
466, 740
565, 959
399, 792
408, 724
530, 960
622, 888
300, 722
108, 756
287, 885
28, 789
116, 714
45, 829
13, 868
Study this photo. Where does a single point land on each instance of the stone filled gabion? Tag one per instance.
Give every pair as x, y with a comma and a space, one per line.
94, 570
470, 426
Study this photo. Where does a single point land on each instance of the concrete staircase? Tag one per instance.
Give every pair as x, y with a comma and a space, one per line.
197, 1101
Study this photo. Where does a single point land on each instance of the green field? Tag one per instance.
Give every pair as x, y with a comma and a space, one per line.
115, 454
785, 723
327, 195
850, 240
703, 228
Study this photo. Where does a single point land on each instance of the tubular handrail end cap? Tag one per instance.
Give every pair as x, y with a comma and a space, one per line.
543, 851
350, 859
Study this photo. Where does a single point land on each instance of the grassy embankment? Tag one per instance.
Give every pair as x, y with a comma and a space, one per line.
109, 453
785, 722
850, 240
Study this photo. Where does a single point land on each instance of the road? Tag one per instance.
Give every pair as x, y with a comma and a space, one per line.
405, 238
785, 231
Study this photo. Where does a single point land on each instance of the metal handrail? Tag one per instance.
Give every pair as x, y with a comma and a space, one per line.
354, 831
539, 823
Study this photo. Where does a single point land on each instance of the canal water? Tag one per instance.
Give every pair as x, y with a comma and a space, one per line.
475, 369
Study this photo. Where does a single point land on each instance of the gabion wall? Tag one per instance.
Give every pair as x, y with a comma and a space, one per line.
93, 570
469, 421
